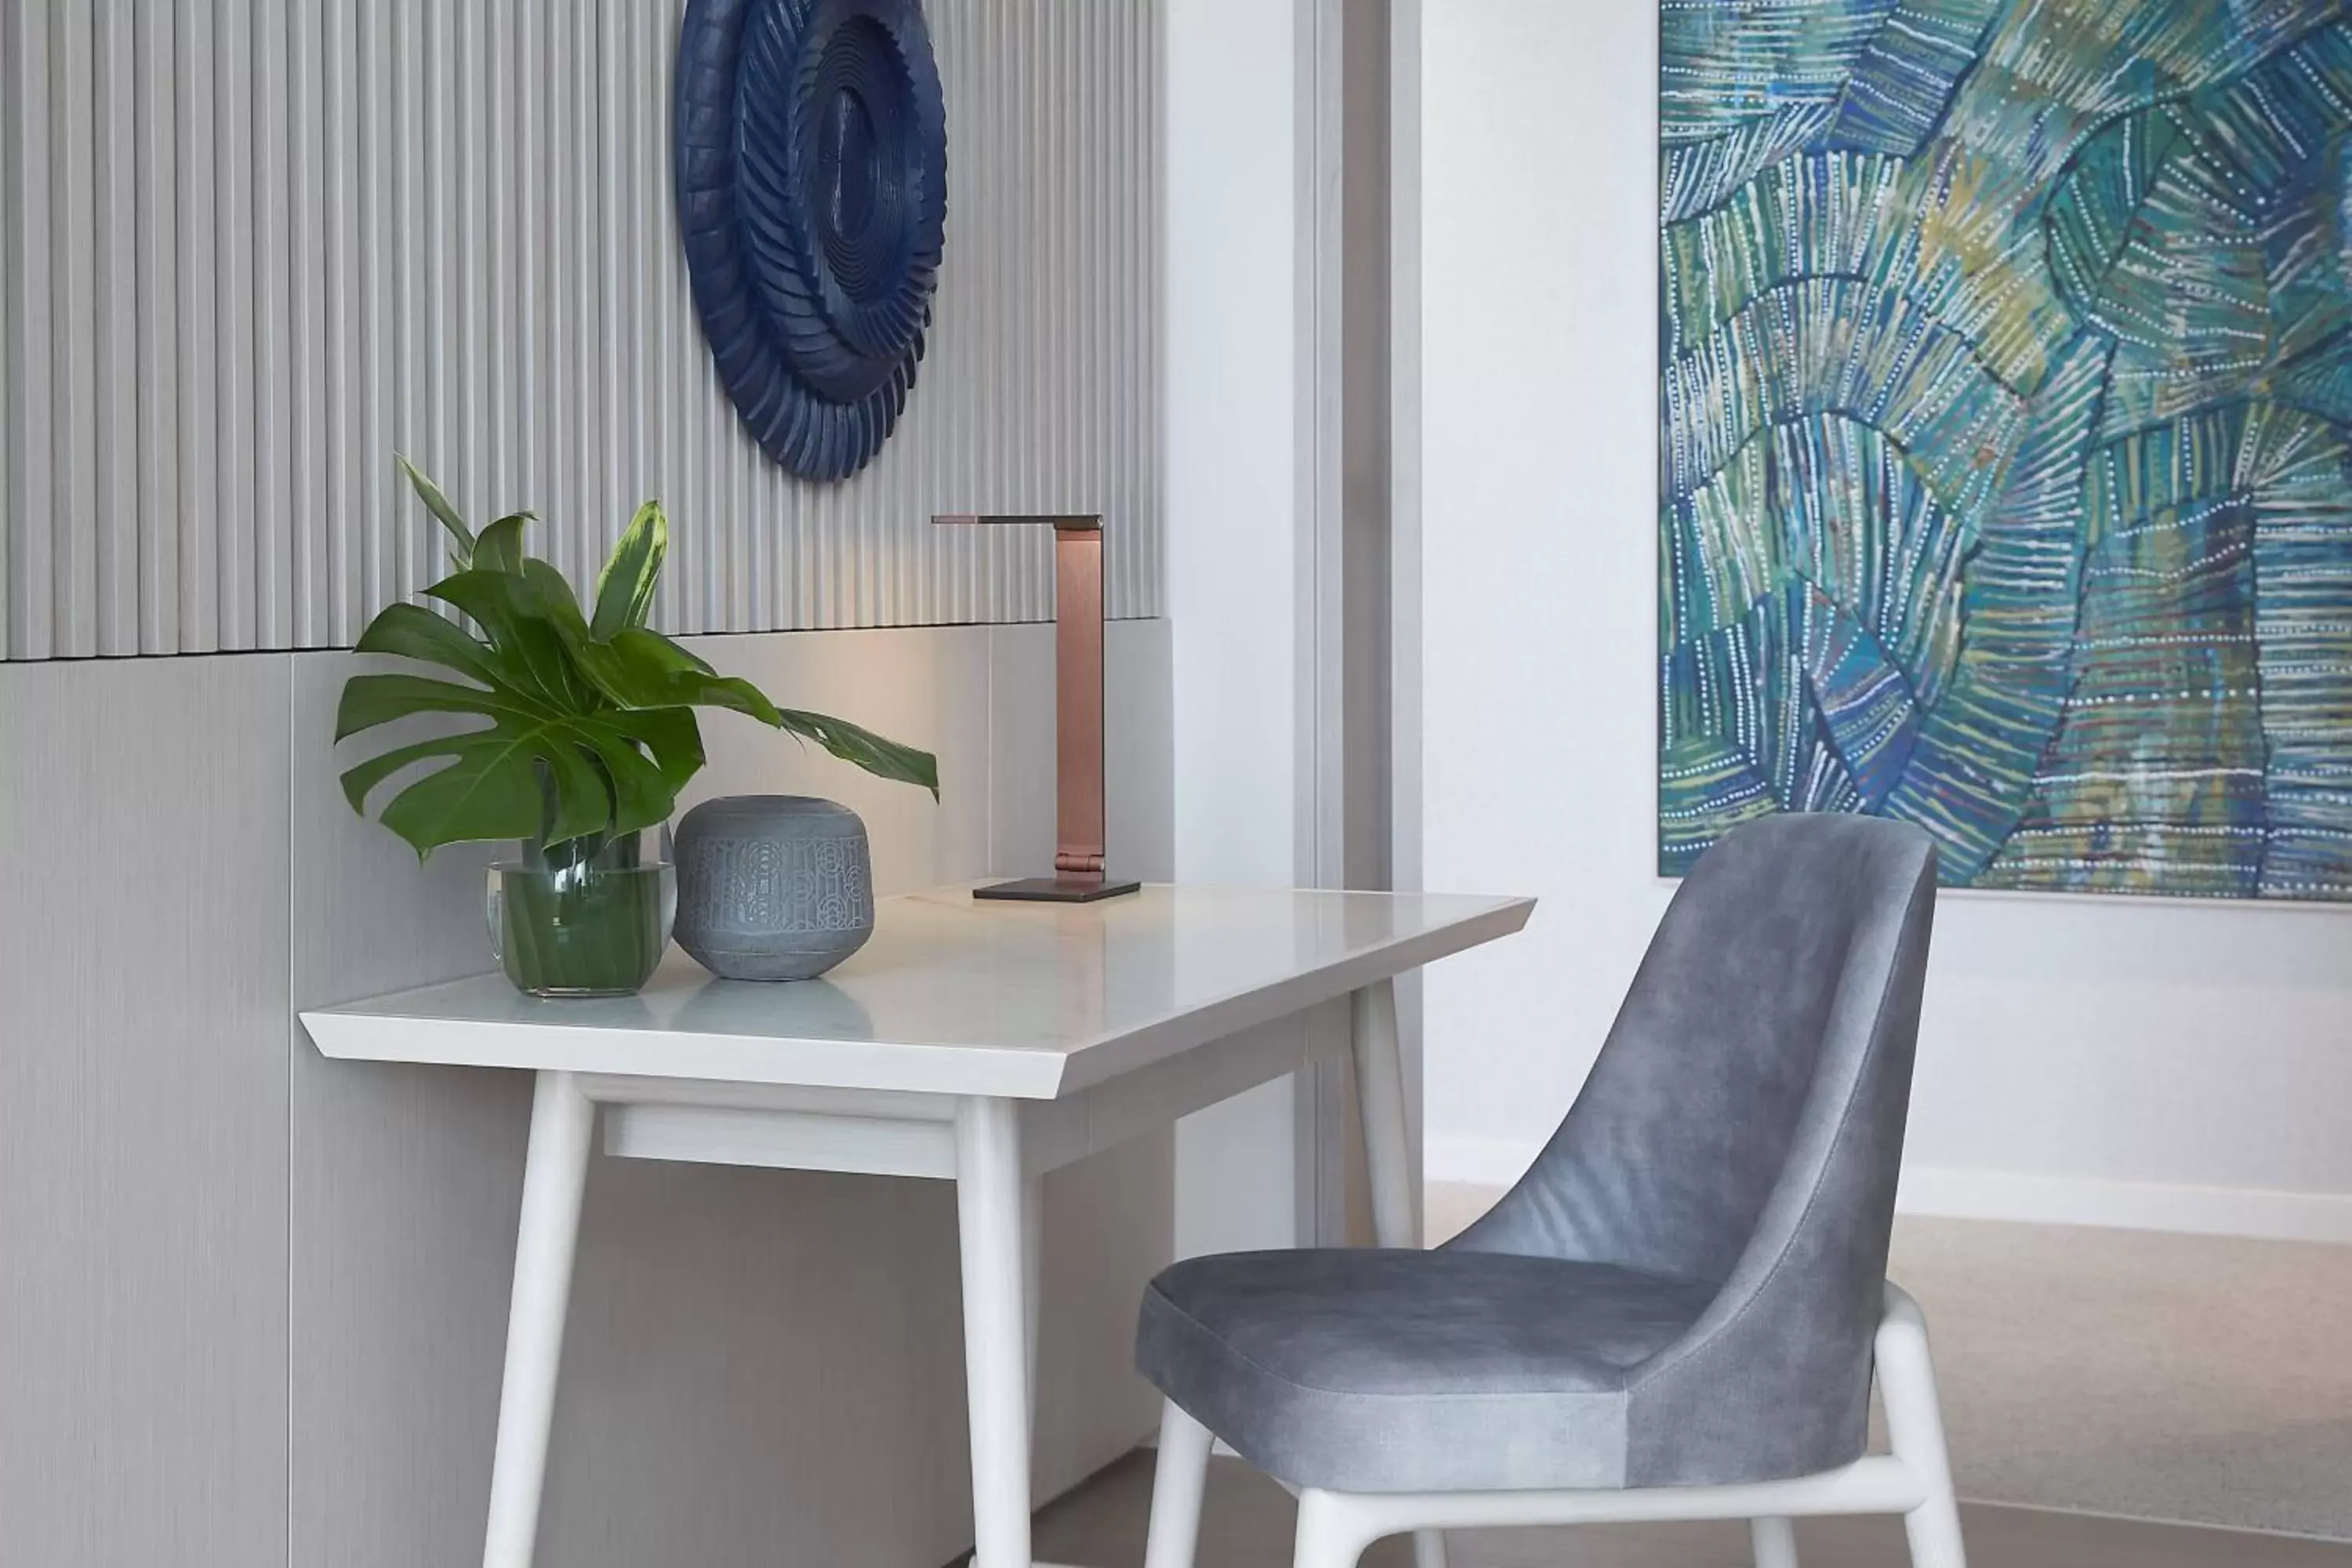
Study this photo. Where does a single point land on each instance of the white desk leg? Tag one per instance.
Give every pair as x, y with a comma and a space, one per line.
553, 1173
991, 1202
1380, 1095
1032, 1293
1033, 1284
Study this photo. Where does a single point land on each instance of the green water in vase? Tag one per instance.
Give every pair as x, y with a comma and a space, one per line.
579, 921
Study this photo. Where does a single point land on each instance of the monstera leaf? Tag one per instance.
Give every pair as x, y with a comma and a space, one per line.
588, 727
624, 590
603, 781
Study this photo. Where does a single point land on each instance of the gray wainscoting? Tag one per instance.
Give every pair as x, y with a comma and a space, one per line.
253, 1292
144, 934
250, 248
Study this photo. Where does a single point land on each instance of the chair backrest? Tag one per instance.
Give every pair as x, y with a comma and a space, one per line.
1743, 1125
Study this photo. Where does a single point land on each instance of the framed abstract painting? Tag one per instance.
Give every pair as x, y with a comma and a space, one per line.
2005, 467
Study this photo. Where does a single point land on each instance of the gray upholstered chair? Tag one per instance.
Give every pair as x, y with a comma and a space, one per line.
1673, 1315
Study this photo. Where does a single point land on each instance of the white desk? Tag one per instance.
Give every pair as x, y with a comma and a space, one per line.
980, 1043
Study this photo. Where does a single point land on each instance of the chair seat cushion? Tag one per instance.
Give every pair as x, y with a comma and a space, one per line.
1364, 1370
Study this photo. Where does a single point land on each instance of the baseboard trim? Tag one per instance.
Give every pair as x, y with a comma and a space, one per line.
2247, 1212
2156, 1521
1475, 1162
1949, 1193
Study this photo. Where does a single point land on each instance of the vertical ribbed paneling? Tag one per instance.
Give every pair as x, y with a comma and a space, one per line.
251, 247
274, 322
334, 534
307, 583
197, 343
11, 469
24, 274
114, 231
19, 114
153, 389
68, 229
236, 437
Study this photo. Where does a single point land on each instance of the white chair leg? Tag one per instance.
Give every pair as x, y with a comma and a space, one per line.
1775, 1540
1915, 1426
1177, 1484
1428, 1549
1327, 1537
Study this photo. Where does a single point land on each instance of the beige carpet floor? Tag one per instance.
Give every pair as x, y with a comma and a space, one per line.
2142, 1374
2137, 1373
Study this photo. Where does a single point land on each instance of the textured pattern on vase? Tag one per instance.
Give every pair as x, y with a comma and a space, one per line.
2006, 360
780, 886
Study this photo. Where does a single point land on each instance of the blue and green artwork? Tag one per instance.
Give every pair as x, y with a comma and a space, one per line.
2006, 353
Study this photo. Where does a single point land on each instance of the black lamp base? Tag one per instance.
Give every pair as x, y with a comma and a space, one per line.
1056, 889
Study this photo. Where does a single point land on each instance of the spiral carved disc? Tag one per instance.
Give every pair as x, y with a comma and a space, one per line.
810, 145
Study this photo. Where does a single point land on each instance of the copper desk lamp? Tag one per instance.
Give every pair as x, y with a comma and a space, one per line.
1077, 876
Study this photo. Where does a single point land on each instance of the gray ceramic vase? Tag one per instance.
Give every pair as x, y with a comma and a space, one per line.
772, 886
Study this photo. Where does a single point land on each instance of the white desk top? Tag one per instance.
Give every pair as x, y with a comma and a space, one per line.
952, 995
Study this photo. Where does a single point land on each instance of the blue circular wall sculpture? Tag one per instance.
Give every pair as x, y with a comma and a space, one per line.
812, 160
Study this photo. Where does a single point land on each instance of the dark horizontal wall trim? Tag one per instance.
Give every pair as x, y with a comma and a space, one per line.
690, 637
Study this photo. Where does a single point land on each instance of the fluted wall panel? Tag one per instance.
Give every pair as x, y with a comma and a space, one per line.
248, 248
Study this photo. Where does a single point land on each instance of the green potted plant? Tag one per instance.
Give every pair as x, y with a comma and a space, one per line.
588, 734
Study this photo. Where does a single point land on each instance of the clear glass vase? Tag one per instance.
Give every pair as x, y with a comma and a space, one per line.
590, 918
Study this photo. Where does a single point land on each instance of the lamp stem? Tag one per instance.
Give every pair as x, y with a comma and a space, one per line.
1079, 700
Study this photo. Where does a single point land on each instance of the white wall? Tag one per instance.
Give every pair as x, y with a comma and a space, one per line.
1232, 348
2106, 1060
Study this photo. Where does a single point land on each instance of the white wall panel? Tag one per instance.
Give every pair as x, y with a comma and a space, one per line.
1237, 329
251, 247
